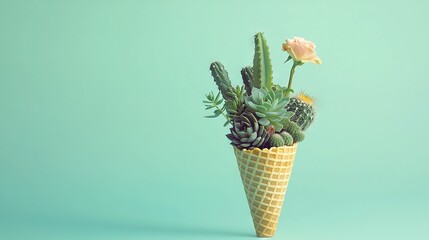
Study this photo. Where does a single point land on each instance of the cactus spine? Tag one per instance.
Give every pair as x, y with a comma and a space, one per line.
303, 110
262, 68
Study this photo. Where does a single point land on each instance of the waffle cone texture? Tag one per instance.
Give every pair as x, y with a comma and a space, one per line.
265, 174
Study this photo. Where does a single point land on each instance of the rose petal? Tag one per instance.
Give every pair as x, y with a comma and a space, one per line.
317, 60
309, 54
301, 50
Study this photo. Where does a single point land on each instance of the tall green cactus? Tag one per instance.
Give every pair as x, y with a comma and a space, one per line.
220, 76
262, 68
234, 97
247, 76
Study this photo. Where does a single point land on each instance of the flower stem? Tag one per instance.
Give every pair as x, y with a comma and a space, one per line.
292, 72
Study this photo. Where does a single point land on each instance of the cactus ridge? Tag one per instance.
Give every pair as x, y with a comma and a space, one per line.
262, 68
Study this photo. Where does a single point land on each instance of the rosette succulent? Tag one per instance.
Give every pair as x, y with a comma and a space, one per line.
247, 133
268, 106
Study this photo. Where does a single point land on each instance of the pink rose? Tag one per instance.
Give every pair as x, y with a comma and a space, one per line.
301, 50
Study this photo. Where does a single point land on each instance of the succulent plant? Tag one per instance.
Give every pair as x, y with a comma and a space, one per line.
295, 131
247, 133
276, 140
287, 138
247, 76
220, 76
234, 106
234, 96
215, 102
262, 68
260, 112
269, 106
303, 110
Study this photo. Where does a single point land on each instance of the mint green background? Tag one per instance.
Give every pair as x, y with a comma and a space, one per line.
102, 134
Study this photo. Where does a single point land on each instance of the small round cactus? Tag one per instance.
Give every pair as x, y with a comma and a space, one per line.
293, 129
276, 140
287, 138
303, 110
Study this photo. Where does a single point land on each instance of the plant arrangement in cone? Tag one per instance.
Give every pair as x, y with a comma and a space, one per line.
266, 124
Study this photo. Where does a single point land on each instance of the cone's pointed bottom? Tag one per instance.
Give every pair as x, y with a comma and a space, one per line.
265, 174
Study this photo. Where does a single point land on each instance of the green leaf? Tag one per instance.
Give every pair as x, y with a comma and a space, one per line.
260, 114
282, 104
264, 121
217, 112
289, 114
252, 105
226, 123
260, 108
209, 107
217, 96
266, 105
278, 126
252, 137
231, 95
288, 58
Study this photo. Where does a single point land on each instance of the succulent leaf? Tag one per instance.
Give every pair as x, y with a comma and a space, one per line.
215, 102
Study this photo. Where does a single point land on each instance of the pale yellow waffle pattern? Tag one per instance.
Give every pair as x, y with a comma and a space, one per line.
265, 175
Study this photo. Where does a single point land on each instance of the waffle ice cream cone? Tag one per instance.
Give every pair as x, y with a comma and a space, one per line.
265, 174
